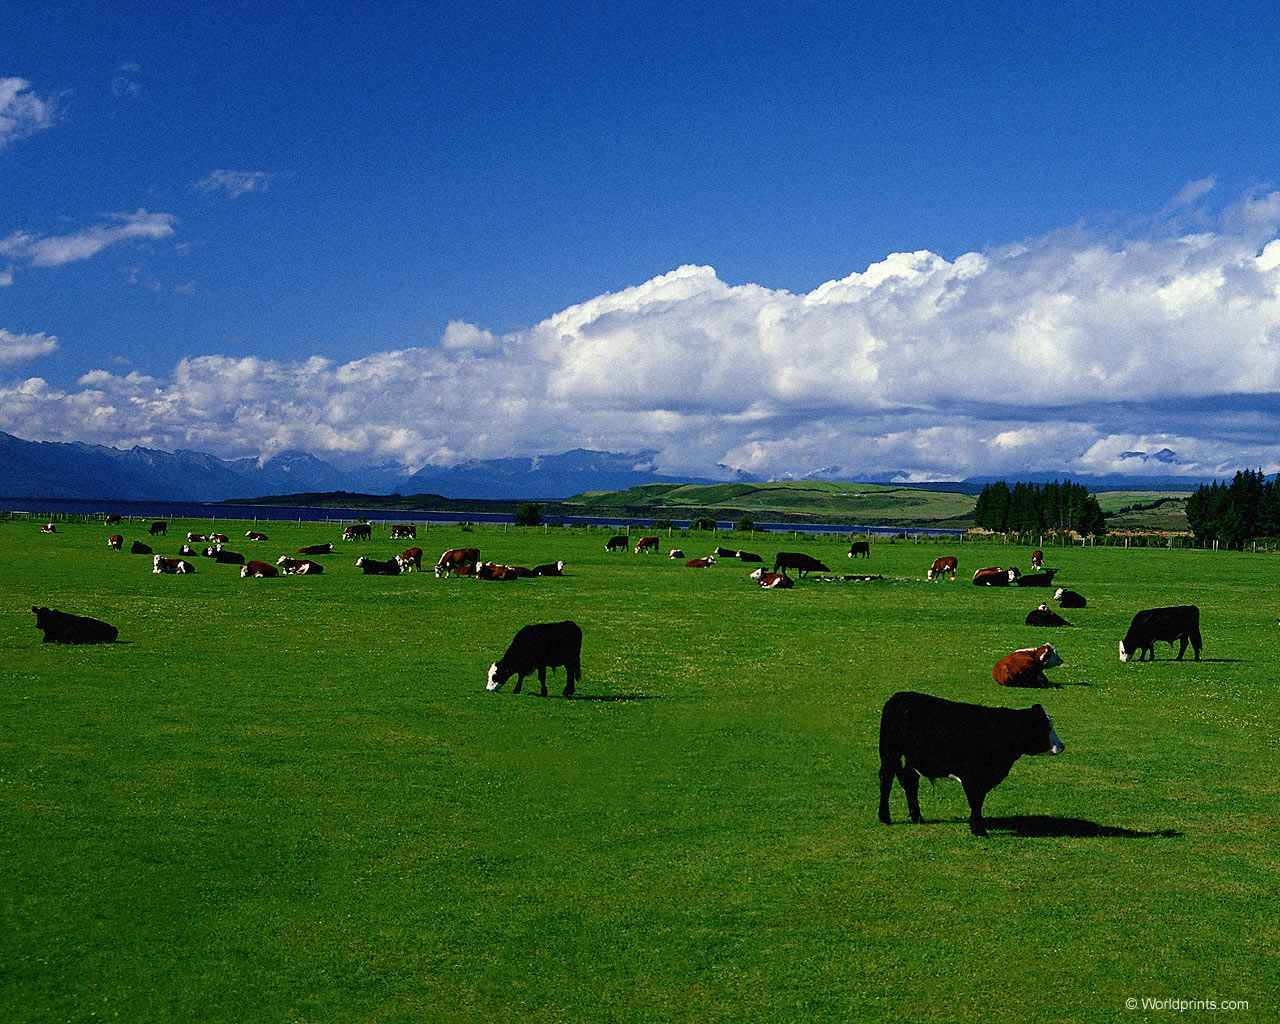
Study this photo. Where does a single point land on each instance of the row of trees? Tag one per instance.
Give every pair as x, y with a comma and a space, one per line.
1054, 506
1245, 509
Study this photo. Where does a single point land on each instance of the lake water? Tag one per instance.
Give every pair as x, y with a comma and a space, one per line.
217, 511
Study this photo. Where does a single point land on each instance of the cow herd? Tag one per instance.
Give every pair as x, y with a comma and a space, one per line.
920, 735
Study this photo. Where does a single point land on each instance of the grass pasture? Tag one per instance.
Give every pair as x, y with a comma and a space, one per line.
293, 800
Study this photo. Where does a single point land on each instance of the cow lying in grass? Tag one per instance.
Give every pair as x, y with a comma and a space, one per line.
65, 628
536, 648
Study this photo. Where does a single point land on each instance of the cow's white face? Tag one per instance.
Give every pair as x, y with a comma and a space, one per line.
494, 682
758, 573
1051, 658
1124, 655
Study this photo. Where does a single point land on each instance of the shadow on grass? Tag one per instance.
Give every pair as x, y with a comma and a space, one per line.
1045, 826
613, 698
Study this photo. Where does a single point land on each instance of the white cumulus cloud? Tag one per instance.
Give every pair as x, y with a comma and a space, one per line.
1065, 354
22, 112
22, 348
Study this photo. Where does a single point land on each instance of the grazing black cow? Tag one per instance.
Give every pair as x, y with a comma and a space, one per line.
374, 567
1068, 598
798, 561
860, 547
138, 548
159, 527
1180, 623
65, 628
925, 736
616, 543
539, 647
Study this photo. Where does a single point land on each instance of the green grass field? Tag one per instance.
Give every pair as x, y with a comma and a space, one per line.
293, 800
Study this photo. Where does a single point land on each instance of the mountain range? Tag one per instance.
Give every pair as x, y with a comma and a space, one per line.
59, 469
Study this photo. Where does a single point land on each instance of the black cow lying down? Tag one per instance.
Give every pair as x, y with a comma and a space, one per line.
927, 736
1181, 623
64, 628
536, 648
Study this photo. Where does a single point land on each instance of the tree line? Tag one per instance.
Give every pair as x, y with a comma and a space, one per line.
1026, 506
1245, 509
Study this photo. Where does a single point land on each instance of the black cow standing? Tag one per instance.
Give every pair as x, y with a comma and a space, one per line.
860, 547
1181, 623
798, 561
536, 648
64, 628
927, 736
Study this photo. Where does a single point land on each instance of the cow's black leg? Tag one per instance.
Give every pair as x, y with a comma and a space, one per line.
887, 772
911, 786
519, 683
976, 795
1182, 649
571, 673
542, 678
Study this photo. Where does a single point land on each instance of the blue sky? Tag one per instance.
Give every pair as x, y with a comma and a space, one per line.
927, 240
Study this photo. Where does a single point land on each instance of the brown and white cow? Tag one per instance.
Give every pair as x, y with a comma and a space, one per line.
196, 538
255, 535
48, 528
456, 559
410, 558
219, 538
1037, 558
700, 563
772, 580
941, 566
404, 530
160, 564
994, 576
291, 566
111, 519
358, 531
493, 572
647, 544
115, 542
258, 570
1026, 667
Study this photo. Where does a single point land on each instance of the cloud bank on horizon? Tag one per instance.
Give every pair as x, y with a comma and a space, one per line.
1067, 353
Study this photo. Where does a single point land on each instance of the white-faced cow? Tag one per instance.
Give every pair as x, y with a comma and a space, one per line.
1069, 598
676, 553
48, 528
459, 561
1037, 559
225, 557
550, 569
1045, 616
747, 556
406, 531
65, 628
1026, 667
378, 567
616, 543
115, 542
1180, 623
358, 531
291, 566
922, 736
860, 547
942, 566
111, 519
536, 648
196, 538
798, 561
994, 576
219, 538
255, 535
647, 544
772, 580
700, 563
410, 559
160, 564
258, 570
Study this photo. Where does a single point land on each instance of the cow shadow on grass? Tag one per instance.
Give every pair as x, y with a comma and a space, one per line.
611, 698
1041, 826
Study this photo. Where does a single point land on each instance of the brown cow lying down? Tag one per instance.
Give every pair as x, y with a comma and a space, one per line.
1026, 667
65, 628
